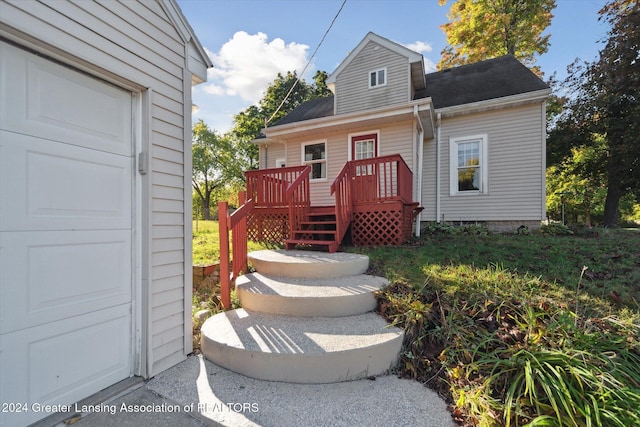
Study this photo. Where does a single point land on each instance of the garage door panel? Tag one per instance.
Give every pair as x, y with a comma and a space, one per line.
51, 186
55, 275
67, 246
99, 344
48, 100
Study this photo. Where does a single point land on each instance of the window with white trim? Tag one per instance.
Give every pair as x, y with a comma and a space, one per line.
468, 165
378, 78
315, 155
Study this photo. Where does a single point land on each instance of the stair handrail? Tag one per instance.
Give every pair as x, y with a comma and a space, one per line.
299, 200
268, 186
341, 187
234, 224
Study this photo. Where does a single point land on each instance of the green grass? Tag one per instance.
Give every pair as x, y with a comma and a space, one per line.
206, 243
513, 330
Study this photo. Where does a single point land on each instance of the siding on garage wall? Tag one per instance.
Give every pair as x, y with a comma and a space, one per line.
516, 141
395, 138
136, 42
352, 84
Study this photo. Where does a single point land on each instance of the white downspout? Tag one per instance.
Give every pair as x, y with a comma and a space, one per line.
419, 165
438, 123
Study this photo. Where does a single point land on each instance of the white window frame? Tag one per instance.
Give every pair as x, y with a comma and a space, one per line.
351, 154
454, 142
386, 77
309, 162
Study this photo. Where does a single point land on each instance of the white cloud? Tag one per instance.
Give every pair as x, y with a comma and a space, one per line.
423, 47
420, 47
246, 64
429, 65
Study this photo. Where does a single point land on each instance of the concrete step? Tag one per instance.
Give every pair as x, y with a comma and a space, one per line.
347, 296
309, 350
309, 264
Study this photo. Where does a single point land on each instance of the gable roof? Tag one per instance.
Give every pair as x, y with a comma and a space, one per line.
412, 56
481, 81
198, 60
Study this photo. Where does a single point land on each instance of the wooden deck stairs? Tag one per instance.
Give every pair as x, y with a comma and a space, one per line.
317, 230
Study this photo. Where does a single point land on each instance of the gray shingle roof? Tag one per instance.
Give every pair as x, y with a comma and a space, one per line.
490, 79
313, 109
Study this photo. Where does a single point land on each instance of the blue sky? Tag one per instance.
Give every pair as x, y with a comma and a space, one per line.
250, 41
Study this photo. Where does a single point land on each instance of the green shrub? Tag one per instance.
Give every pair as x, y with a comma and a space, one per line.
556, 229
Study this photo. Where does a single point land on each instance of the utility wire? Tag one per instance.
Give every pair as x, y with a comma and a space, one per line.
305, 67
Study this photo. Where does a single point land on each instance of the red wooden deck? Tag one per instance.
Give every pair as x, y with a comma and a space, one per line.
373, 199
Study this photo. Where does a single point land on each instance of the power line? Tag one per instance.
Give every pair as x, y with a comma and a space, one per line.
308, 62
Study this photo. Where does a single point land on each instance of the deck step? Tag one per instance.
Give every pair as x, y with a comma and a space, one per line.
303, 297
319, 222
314, 231
331, 245
309, 350
309, 264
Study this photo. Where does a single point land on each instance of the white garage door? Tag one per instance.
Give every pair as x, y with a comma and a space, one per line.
66, 179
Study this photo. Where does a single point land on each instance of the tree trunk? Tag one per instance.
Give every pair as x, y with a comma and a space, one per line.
206, 214
611, 206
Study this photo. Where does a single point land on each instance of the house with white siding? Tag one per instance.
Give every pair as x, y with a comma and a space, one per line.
471, 137
95, 196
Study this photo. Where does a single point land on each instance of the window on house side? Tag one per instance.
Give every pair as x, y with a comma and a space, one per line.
378, 78
468, 165
315, 155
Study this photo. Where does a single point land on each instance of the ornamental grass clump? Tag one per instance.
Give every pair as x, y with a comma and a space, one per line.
506, 349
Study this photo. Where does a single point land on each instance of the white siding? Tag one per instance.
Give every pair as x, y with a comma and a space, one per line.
516, 167
270, 153
352, 84
134, 44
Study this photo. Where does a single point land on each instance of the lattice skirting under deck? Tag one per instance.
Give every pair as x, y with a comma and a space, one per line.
381, 224
268, 225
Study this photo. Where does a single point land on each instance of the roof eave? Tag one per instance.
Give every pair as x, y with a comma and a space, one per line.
347, 121
496, 103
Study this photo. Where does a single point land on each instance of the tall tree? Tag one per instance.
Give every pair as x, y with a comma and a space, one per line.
617, 76
274, 105
605, 101
484, 29
215, 164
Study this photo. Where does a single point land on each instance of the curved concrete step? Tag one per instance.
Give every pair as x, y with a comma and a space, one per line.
346, 296
301, 349
308, 264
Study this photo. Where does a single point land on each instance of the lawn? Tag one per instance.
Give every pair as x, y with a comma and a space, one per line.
520, 329
206, 243
513, 330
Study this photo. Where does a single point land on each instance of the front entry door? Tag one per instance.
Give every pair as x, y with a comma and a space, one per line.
365, 182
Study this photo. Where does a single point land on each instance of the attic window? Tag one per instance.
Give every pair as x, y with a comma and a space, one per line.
378, 78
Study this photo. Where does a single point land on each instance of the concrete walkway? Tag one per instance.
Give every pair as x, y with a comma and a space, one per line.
216, 396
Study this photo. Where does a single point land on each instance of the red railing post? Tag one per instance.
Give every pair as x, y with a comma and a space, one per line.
225, 278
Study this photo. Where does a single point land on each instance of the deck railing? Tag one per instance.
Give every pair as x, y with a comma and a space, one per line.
341, 188
381, 179
268, 187
299, 200
236, 226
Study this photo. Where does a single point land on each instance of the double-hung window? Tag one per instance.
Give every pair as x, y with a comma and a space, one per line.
314, 154
378, 78
468, 164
